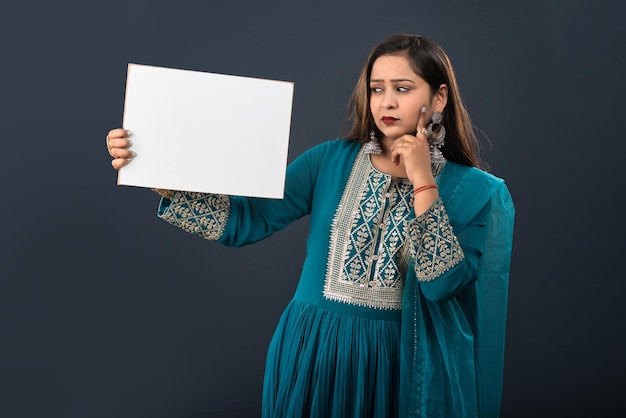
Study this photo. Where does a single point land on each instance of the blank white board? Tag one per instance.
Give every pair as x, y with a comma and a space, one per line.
206, 132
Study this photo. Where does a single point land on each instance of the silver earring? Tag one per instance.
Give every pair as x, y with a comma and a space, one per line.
436, 134
373, 145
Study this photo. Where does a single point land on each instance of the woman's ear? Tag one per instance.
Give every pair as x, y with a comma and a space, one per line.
441, 98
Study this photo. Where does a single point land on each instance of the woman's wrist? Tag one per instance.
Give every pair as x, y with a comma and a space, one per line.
424, 198
422, 178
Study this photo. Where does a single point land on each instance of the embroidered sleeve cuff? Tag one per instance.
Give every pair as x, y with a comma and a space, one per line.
164, 193
201, 214
435, 248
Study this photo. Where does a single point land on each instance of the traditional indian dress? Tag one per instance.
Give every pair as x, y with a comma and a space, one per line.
394, 315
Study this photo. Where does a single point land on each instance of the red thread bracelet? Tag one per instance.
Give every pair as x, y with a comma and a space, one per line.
421, 189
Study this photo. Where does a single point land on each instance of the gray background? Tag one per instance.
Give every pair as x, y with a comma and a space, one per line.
106, 311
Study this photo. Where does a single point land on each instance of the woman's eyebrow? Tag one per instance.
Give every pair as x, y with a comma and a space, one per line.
395, 80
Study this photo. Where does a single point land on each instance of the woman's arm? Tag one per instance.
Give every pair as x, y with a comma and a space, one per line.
236, 220
445, 260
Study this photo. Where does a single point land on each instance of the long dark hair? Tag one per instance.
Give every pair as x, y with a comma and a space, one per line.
429, 61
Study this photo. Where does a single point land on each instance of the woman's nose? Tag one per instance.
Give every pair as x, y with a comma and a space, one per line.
389, 100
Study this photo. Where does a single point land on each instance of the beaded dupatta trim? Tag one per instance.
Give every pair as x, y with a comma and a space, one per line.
201, 214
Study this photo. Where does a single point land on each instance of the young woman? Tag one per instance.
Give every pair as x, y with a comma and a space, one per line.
400, 309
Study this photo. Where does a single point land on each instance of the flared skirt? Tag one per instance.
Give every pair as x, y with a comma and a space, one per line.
326, 364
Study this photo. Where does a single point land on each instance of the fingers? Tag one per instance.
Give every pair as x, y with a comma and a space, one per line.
421, 120
407, 144
118, 133
122, 152
120, 162
117, 144
116, 138
399, 146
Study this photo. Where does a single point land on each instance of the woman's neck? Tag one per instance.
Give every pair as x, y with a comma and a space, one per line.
382, 162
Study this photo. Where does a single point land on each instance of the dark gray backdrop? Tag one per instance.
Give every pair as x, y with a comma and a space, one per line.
106, 311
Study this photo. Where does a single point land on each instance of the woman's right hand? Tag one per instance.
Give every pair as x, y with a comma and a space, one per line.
118, 144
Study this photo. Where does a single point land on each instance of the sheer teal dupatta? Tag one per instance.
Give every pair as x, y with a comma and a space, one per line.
452, 352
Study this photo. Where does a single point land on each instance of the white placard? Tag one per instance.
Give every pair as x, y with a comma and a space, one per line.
206, 132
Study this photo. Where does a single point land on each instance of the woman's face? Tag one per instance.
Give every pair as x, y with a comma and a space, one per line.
397, 94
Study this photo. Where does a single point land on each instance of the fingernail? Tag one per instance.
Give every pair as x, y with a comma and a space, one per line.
130, 142
423, 109
128, 133
134, 154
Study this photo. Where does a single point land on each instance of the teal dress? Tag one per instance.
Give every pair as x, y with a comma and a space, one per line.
394, 315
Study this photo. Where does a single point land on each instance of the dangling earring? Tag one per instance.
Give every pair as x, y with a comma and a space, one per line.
436, 134
373, 145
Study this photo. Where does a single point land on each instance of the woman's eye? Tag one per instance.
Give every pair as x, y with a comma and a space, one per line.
403, 89
376, 89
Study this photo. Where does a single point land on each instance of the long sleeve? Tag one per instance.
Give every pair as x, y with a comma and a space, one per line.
445, 259
201, 214
236, 220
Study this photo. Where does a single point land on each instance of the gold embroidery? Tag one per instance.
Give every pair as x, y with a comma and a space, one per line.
166, 193
201, 214
436, 249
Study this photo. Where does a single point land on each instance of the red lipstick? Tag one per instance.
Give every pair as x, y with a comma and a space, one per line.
389, 120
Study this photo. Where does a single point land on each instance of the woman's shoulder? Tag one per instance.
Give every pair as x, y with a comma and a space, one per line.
337, 145
335, 149
466, 190
473, 175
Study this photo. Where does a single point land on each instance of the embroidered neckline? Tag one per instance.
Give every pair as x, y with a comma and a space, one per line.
367, 256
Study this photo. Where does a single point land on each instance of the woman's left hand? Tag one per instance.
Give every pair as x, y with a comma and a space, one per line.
415, 154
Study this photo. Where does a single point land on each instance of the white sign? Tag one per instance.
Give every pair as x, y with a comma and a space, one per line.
205, 132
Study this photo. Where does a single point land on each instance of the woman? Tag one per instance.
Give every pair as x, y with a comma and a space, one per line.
401, 304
